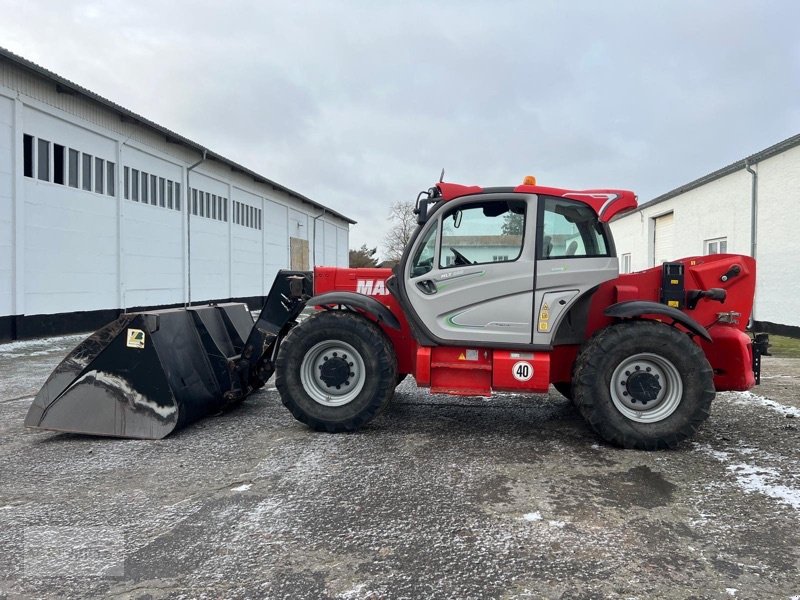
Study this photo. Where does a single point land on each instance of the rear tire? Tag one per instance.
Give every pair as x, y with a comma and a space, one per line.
335, 371
644, 385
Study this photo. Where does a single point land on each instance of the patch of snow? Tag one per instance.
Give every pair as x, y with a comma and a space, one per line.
731, 591
242, 488
356, 592
533, 516
752, 478
751, 398
557, 524
716, 454
23, 344
595, 446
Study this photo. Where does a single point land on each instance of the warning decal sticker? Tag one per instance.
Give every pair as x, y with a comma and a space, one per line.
135, 338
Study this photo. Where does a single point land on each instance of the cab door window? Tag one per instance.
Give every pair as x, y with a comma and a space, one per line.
423, 258
482, 233
570, 229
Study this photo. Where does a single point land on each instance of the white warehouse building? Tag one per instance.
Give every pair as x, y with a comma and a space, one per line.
103, 211
749, 207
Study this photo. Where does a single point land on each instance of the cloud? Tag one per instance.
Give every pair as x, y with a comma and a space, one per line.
359, 104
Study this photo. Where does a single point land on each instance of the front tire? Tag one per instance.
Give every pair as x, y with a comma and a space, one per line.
335, 371
644, 385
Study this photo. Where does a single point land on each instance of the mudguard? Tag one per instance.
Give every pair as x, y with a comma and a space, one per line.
637, 308
353, 300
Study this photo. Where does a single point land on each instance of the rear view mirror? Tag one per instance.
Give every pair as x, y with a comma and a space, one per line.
422, 211
457, 219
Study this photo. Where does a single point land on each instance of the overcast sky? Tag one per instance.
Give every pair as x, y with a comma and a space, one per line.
359, 104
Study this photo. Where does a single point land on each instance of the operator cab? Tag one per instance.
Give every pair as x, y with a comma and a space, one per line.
503, 266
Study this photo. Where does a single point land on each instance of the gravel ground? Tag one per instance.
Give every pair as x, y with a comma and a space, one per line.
438, 498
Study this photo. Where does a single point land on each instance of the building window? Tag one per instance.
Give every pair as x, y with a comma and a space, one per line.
162, 190
43, 160
99, 174
135, 185
225, 209
177, 196
110, 176
86, 182
144, 195
625, 263
155, 197
126, 183
58, 164
73, 168
716, 246
27, 154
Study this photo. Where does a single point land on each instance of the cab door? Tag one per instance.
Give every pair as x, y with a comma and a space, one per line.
471, 273
575, 254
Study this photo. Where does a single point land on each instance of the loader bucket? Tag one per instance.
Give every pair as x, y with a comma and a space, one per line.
146, 374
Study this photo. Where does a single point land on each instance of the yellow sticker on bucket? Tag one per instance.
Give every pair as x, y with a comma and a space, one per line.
135, 338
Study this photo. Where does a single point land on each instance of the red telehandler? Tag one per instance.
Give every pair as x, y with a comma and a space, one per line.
499, 289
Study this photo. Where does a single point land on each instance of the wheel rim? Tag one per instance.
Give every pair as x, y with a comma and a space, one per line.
323, 374
646, 388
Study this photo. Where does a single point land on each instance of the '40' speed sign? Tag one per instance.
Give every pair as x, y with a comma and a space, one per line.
522, 370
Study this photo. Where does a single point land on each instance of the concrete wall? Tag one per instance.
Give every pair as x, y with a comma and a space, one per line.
722, 209
66, 249
778, 239
7, 160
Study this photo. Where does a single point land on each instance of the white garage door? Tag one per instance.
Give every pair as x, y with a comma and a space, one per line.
662, 244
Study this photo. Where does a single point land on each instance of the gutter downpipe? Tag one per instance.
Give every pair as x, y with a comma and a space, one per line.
189, 229
314, 250
753, 221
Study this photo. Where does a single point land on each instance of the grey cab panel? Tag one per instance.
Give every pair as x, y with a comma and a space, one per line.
560, 283
470, 277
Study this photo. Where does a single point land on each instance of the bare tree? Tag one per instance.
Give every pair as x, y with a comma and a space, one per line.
363, 257
403, 222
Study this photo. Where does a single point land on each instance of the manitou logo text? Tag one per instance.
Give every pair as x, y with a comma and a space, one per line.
370, 287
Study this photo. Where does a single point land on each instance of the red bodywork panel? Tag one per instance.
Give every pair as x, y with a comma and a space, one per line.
606, 203
473, 370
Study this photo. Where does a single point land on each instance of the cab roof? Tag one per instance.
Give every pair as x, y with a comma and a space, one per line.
605, 203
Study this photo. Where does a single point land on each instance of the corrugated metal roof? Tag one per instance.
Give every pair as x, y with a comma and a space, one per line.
64, 84
783, 146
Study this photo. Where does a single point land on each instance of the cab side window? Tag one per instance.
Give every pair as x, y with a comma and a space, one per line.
482, 233
570, 229
423, 259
